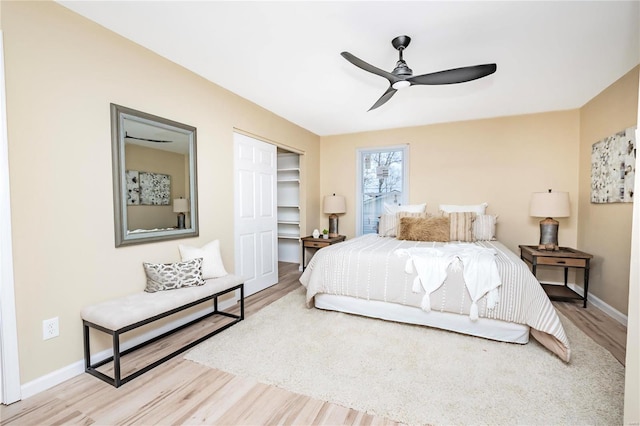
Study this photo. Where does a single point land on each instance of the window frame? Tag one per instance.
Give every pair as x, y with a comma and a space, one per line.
360, 152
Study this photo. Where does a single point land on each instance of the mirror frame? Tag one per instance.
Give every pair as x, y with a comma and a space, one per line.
122, 237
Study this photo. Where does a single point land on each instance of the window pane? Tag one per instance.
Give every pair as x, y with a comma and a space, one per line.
381, 182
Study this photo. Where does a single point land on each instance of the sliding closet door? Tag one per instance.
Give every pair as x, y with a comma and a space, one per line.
255, 213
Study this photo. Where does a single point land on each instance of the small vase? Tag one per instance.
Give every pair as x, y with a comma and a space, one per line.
325, 236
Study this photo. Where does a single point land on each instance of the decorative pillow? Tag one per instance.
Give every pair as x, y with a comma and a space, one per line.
461, 226
452, 208
429, 229
411, 208
169, 276
484, 227
212, 266
389, 223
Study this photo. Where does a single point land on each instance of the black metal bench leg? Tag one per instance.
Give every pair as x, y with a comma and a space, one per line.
116, 359
87, 347
242, 302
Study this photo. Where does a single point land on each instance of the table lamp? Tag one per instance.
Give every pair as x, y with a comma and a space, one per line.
548, 204
180, 206
333, 206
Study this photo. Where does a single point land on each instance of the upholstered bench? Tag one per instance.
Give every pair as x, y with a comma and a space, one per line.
118, 316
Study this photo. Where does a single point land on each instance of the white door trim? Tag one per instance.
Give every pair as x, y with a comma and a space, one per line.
9, 361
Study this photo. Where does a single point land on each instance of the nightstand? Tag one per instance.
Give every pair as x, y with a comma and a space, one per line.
565, 258
318, 243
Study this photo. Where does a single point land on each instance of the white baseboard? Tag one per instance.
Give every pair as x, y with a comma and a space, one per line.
600, 304
597, 302
70, 371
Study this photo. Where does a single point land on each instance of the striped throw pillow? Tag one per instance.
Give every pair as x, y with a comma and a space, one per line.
461, 226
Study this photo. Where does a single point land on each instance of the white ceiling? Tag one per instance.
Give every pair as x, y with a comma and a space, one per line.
285, 56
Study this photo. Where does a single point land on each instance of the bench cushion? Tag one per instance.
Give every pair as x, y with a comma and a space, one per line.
118, 313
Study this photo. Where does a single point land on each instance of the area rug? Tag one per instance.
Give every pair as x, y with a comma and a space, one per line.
418, 375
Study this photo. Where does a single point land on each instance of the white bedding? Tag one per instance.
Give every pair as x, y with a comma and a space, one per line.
368, 268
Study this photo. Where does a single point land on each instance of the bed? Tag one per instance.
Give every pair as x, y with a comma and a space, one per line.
368, 276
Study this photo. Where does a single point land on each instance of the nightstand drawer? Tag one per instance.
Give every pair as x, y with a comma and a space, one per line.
566, 261
315, 244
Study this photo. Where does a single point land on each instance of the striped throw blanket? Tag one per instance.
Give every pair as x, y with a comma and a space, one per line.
368, 267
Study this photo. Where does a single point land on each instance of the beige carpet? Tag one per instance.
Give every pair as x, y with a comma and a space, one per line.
418, 375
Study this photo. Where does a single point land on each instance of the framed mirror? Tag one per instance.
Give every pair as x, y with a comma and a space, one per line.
155, 190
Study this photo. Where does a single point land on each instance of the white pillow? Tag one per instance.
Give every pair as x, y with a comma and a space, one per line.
452, 208
409, 208
212, 266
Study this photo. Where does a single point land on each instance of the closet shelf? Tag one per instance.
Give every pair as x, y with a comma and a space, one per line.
288, 222
289, 169
289, 237
288, 180
291, 206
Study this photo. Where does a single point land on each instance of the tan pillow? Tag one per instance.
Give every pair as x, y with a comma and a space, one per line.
419, 229
461, 226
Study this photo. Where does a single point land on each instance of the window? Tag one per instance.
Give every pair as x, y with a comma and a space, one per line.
382, 178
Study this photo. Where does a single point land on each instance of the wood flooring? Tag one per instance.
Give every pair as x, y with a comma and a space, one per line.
184, 392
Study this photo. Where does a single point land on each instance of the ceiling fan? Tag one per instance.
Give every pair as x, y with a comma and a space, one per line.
402, 76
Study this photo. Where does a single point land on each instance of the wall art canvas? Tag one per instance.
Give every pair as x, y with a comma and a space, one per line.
133, 187
155, 189
613, 167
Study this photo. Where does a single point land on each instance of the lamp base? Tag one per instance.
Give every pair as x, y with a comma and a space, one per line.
333, 225
181, 217
548, 234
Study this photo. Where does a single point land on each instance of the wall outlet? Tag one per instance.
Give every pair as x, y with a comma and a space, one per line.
50, 328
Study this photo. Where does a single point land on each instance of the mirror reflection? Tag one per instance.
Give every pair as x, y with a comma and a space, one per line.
154, 167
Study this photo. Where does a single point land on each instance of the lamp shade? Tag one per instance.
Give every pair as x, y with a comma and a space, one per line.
180, 205
549, 204
334, 204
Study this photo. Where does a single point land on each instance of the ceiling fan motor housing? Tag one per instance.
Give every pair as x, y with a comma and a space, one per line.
402, 70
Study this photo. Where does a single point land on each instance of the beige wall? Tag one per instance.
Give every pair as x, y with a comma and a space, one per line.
604, 230
62, 73
500, 161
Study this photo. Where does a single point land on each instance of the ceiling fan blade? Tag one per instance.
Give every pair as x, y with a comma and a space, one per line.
456, 75
384, 98
368, 67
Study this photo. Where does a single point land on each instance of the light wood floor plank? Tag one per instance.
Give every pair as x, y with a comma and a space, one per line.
184, 392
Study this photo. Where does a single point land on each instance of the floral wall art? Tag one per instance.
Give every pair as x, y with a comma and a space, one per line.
150, 189
613, 167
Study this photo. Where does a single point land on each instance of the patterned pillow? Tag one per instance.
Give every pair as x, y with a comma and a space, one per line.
484, 227
389, 223
461, 226
169, 276
429, 229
